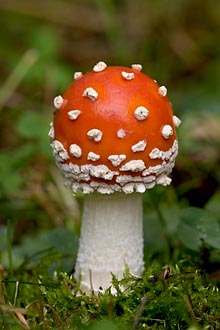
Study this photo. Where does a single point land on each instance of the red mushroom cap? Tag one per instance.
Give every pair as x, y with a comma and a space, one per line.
114, 130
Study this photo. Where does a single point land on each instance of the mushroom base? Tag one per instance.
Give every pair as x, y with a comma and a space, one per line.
111, 240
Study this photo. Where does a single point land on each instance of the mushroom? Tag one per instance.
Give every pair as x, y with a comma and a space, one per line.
114, 136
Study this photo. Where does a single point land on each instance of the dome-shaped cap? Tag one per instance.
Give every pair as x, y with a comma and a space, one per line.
114, 130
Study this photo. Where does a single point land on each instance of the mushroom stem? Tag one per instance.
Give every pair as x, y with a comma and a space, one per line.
111, 240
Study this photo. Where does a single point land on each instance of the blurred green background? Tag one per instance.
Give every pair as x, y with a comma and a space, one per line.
42, 44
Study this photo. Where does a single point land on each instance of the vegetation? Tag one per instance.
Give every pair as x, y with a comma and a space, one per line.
42, 44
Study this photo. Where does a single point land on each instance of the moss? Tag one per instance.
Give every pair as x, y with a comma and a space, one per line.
163, 299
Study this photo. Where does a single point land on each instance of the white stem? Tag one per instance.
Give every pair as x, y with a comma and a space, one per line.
111, 240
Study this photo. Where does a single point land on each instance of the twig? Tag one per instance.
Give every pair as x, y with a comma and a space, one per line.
16, 293
9, 245
139, 312
190, 309
12, 309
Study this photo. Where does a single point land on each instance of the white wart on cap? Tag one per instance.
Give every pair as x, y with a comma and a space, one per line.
129, 154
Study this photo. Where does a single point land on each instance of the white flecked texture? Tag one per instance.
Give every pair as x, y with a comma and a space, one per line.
108, 245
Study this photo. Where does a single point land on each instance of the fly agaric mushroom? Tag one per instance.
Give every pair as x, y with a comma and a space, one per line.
113, 137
